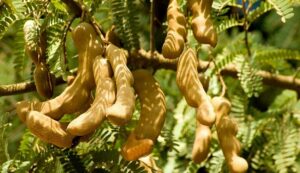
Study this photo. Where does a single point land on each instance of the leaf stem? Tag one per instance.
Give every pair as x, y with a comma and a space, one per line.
246, 27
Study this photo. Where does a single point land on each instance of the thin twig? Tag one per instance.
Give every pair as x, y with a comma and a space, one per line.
66, 29
246, 27
224, 88
152, 27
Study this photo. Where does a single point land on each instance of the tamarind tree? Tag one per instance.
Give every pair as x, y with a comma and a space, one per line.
149, 86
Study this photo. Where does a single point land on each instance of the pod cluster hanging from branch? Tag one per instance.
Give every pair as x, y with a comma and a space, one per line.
103, 68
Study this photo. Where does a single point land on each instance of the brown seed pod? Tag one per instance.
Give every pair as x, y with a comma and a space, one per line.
222, 108
174, 42
43, 80
121, 111
105, 96
153, 110
74, 97
48, 130
227, 130
30, 28
135, 148
202, 25
201, 143
190, 86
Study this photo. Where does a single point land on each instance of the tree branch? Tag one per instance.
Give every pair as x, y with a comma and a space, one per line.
23, 87
158, 62
152, 27
289, 82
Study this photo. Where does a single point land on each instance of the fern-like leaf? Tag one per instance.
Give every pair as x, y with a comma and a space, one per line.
276, 54
20, 58
283, 8
250, 82
239, 104
192, 167
228, 23
7, 19
216, 163
220, 4
26, 144
262, 9
125, 20
71, 161
55, 32
285, 156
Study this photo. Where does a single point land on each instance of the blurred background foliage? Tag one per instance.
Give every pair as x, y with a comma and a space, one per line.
268, 117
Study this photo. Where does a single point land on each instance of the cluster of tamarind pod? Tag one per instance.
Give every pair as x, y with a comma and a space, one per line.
208, 111
201, 24
103, 68
115, 88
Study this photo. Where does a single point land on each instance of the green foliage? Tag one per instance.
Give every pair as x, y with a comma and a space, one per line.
258, 12
250, 81
126, 22
227, 23
275, 55
268, 117
283, 8
7, 18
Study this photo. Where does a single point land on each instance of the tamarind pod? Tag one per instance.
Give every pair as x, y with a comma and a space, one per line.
153, 110
23, 108
30, 26
153, 105
222, 108
121, 111
37, 54
42, 77
105, 96
202, 25
43, 80
73, 98
226, 131
202, 143
48, 130
174, 42
205, 112
190, 86
135, 148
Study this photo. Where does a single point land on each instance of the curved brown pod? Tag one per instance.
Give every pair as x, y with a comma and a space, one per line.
43, 79
29, 28
202, 25
201, 143
105, 96
190, 86
227, 130
121, 111
48, 130
176, 35
74, 97
153, 110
